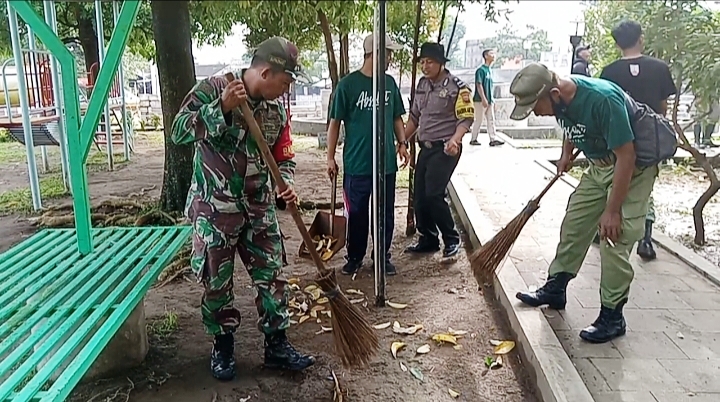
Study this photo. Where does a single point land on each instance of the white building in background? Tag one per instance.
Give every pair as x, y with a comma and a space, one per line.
558, 60
473, 53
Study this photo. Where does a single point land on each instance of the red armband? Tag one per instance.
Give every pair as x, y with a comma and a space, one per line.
283, 149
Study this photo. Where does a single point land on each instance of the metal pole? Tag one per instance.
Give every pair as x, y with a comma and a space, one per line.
35, 71
124, 126
49, 6
101, 53
23, 93
380, 151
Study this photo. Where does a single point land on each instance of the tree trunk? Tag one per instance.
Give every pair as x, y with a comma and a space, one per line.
332, 61
344, 55
88, 42
176, 71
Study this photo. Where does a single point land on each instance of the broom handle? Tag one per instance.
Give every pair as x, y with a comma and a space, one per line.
554, 179
277, 177
333, 199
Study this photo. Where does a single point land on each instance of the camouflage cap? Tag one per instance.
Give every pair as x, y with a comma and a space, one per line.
281, 53
528, 86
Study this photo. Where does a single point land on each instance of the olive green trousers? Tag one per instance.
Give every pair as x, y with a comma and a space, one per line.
586, 205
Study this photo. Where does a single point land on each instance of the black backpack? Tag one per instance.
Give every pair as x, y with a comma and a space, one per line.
655, 137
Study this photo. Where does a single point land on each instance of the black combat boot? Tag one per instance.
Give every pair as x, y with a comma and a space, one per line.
222, 360
645, 247
552, 293
280, 354
609, 325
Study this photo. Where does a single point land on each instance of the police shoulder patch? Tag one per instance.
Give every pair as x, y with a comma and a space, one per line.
460, 83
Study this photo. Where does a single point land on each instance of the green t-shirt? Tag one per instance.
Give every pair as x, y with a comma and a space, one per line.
597, 119
483, 76
353, 104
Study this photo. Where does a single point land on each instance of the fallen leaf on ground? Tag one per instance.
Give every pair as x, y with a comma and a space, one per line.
398, 329
356, 301
457, 347
489, 361
423, 349
455, 332
416, 373
504, 347
398, 306
337, 392
354, 292
453, 393
303, 319
315, 294
382, 326
395, 347
403, 367
444, 338
497, 363
294, 281
323, 300
319, 321
293, 322
309, 288
327, 313
495, 342
680, 335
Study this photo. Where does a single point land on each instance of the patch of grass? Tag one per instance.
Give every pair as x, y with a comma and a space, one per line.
402, 179
152, 138
97, 161
11, 152
162, 328
20, 200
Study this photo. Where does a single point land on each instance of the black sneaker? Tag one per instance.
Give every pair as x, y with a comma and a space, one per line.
390, 269
423, 247
351, 267
222, 360
474, 142
496, 143
451, 250
280, 354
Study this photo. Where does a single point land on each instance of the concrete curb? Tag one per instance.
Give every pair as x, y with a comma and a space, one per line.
556, 377
684, 254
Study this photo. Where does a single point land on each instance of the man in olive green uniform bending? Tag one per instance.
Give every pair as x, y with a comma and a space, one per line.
231, 202
613, 193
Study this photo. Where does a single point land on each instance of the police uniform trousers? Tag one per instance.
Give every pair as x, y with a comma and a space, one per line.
585, 207
432, 212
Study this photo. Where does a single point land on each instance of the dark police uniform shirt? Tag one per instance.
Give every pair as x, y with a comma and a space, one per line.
440, 107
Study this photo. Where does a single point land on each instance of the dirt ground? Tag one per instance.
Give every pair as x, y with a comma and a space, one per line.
438, 296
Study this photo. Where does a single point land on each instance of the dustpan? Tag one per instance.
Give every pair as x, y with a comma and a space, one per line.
328, 230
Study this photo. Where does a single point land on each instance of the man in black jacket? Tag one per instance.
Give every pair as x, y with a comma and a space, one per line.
581, 62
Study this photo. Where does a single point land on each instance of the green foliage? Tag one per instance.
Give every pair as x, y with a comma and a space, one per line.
401, 17
683, 33
508, 43
454, 51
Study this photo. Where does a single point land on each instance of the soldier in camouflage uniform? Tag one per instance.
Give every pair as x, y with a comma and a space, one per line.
231, 202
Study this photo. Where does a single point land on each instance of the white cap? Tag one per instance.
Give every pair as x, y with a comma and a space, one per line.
368, 44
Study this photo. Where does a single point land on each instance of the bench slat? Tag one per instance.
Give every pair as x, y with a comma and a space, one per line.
9, 266
51, 268
112, 280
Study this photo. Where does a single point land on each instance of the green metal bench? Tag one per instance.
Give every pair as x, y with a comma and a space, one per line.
52, 298
64, 294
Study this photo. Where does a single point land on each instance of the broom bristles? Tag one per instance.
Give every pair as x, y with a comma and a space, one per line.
491, 254
355, 340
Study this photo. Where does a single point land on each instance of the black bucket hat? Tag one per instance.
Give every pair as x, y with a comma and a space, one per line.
433, 51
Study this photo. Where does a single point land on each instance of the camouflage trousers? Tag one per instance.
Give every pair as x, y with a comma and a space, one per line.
216, 239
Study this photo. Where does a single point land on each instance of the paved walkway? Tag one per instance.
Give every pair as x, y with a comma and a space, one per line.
671, 352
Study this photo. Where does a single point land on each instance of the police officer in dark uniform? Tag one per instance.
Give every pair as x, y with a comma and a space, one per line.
442, 113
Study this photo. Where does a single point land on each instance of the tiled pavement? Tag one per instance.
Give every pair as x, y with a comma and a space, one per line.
671, 352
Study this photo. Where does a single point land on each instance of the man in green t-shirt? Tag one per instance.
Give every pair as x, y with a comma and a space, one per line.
613, 193
483, 100
353, 105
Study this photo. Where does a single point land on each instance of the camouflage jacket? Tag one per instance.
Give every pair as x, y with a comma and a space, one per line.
229, 174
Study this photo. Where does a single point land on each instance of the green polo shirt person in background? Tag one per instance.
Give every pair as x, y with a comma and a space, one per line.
613, 193
353, 105
483, 100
